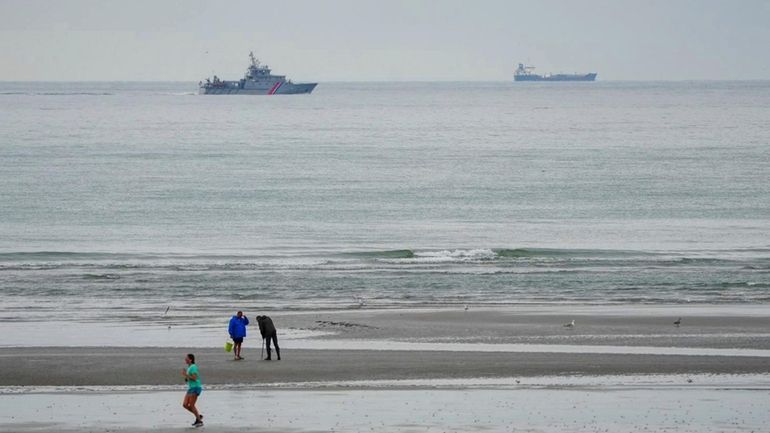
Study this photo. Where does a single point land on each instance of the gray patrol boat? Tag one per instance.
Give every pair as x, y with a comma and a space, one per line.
257, 81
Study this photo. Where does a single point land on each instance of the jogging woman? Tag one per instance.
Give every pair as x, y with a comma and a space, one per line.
194, 389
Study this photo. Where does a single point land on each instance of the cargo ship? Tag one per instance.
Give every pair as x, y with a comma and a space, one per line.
258, 80
524, 73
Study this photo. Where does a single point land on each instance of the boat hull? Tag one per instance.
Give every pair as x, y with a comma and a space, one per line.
234, 88
557, 77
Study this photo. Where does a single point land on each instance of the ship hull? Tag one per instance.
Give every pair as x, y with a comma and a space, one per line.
234, 88
558, 77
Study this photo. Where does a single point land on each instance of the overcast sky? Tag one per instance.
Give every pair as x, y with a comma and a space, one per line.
367, 40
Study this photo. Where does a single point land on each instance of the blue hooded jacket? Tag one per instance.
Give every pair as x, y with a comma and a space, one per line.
237, 328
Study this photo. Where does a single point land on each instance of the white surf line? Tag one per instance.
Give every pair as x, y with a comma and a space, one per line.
721, 381
700, 380
522, 348
470, 340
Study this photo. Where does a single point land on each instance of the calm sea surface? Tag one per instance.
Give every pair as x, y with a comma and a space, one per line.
401, 193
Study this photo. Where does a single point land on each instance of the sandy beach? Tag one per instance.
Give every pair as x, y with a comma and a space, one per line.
649, 407
355, 370
154, 366
403, 344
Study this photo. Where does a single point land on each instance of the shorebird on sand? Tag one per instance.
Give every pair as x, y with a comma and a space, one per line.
570, 324
678, 322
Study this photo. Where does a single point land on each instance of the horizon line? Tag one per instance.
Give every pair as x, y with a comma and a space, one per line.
682, 80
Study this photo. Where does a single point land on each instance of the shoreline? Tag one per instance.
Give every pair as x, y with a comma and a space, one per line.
605, 382
522, 328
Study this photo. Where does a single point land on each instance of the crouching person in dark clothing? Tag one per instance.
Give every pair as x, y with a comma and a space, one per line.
267, 329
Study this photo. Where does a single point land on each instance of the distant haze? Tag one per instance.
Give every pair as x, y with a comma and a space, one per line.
402, 40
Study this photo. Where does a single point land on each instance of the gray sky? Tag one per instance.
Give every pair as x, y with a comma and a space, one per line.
366, 40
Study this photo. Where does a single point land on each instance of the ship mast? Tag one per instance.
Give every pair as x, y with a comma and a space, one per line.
254, 61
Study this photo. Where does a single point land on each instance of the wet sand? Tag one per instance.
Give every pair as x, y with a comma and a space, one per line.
702, 326
532, 409
417, 344
156, 366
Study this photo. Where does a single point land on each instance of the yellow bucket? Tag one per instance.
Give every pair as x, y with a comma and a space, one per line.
228, 346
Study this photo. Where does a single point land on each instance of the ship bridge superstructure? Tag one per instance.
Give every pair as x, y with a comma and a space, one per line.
257, 70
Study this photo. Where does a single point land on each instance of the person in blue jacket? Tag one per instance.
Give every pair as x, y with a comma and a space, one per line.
237, 330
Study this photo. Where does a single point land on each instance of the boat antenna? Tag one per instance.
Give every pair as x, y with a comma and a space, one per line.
254, 60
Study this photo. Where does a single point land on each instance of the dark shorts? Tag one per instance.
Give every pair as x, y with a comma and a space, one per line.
238, 340
194, 391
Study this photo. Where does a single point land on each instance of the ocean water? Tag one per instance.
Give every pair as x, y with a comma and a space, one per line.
132, 196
